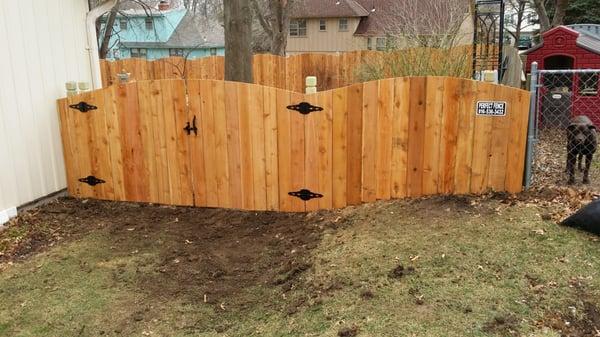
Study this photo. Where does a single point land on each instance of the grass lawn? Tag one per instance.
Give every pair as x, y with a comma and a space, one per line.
433, 267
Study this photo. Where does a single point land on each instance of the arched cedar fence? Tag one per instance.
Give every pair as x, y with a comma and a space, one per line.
384, 139
332, 70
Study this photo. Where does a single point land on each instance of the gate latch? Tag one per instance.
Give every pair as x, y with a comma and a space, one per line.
83, 106
304, 108
305, 194
189, 128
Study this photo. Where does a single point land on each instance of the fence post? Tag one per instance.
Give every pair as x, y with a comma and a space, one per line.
531, 130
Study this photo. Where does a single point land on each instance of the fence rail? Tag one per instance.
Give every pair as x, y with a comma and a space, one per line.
332, 70
235, 145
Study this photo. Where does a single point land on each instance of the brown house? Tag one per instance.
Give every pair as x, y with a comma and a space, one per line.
329, 26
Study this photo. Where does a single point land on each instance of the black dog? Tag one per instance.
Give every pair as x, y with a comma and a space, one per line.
581, 142
587, 218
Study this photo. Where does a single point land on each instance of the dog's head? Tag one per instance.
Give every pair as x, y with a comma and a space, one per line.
578, 133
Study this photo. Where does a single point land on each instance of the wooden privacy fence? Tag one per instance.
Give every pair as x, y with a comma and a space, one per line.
234, 145
332, 70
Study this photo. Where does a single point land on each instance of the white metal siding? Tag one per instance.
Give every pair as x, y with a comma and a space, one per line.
43, 44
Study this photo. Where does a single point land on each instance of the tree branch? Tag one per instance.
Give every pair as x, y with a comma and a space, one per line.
265, 25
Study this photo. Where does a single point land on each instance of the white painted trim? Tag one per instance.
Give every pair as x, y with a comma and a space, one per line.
92, 38
7, 214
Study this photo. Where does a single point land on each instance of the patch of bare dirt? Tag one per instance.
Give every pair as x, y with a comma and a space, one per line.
573, 324
502, 325
399, 272
220, 257
348, 332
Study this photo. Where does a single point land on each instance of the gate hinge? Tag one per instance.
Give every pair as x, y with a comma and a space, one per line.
92, 181
189, 128
304, 108
305, 194
83, 106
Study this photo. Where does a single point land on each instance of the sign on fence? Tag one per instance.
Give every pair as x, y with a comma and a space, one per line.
491, 108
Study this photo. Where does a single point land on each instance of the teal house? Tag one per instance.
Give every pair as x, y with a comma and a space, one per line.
158, 30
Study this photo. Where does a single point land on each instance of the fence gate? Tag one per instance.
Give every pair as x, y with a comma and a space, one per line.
559, 96
128, 143
214, 143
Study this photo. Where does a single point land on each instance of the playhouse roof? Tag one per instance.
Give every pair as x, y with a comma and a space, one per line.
584, 40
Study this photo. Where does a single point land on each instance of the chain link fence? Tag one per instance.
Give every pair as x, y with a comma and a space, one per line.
566, 106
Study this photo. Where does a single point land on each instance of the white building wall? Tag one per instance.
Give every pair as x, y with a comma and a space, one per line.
43, 44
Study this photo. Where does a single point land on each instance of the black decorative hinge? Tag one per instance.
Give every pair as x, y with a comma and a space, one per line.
305, 194
189, 128
83, 107
92, 181
304, 108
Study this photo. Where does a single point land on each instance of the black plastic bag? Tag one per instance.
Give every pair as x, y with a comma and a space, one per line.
587, 218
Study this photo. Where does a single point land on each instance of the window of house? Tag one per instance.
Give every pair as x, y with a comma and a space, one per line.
213, 51
322, 25
509, 18
139, 52
369, 43
381, 43
588, 84
149, 24
175, 52
298, 28
123, 24
343, 25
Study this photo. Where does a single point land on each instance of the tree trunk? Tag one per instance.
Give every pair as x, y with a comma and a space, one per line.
520, 17
275, 23
238, 41
280, 25
540, 9
559, 12
108, 31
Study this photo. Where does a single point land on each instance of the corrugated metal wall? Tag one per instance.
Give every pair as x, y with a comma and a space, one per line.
43, 44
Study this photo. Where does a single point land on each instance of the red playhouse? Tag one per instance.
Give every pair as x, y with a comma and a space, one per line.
567, 93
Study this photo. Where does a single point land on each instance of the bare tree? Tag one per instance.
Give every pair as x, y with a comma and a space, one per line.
422, 40
105, 37
427, 23
520, 8
542, 8
108, 31
238, 41
273, 16
204, 7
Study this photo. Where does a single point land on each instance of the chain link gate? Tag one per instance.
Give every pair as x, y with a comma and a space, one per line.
565, 111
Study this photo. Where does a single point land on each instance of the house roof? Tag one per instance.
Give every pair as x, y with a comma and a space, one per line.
590, 42
380, 21
329, 9
387, 17
191, 33
150, 7
134, 5
198, 32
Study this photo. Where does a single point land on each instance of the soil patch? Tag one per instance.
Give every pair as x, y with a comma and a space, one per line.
502, 325
204, 255
400, 271
348, 332
572, 324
